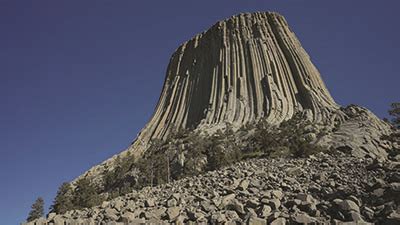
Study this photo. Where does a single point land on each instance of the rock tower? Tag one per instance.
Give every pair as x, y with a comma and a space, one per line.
242, 69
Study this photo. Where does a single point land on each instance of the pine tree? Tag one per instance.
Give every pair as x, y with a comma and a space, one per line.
63, 200
119, 180
37, 210
394, 137
149, 166
217, 155
194, 155
395, 113
85, 194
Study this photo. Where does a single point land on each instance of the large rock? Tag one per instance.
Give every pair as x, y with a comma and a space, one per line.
279, 221
226, 200
243, 185
256, 221
111, 214
173, 212
127, 217
348, 205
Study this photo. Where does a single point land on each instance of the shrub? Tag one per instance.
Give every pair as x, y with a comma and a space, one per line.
265, 138
302, 148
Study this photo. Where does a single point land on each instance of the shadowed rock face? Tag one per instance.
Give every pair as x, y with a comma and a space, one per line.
242, 69
247, 67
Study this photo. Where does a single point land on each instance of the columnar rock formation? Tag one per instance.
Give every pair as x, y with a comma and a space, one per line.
248, 67
242, 69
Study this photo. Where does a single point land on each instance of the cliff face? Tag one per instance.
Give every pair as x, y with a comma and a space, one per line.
248, 67
242, 69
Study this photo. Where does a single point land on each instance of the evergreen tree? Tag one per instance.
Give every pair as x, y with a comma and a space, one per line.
222, 149
37, 210
63, 200
149, 165
146, 168
119, 179
85, 194
394, 137
194, 155
395, 113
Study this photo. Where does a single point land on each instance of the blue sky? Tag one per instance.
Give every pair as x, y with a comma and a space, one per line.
79, 79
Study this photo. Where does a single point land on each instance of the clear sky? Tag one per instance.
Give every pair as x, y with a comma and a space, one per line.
79, 79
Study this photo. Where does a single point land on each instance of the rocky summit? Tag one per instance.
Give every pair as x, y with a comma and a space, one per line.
245, 70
